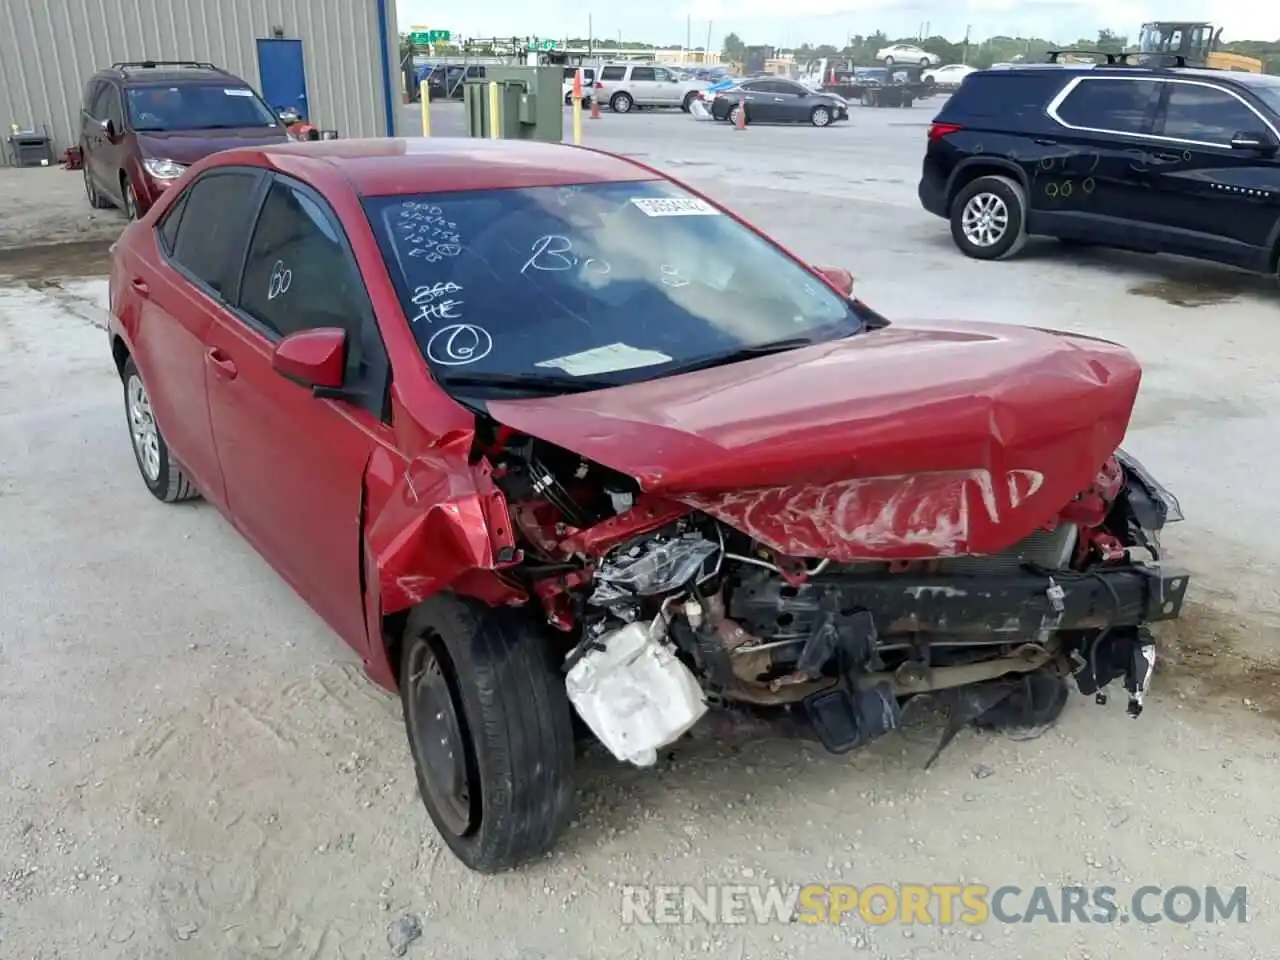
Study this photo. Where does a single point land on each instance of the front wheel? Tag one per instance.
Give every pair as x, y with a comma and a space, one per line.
621, 103
820, 116
130, 199
924, 63
888, 61
490, 729
163, 477
96, 200
988, 218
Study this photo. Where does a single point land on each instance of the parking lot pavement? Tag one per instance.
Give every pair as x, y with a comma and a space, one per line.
48, 205
197, 769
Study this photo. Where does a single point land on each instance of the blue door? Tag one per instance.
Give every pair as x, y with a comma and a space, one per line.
283, 76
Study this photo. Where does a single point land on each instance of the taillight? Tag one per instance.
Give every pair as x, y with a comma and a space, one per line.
939, 130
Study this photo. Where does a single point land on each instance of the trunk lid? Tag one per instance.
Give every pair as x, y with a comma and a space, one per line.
910, 442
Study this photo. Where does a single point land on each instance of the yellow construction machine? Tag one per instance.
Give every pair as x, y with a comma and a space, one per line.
1196, 42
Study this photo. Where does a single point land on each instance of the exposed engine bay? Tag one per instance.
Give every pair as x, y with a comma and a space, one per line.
667, 612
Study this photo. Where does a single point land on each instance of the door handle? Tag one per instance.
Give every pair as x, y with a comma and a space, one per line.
1045, 142
1169, 157
223, 366
140, 287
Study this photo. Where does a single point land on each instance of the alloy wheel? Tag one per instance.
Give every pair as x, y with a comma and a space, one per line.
821, 117
984, 220
142, 428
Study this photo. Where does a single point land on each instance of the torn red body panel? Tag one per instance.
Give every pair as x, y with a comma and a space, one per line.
438, 525
903, 443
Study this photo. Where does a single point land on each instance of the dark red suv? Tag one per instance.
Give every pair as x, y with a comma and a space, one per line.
143, 123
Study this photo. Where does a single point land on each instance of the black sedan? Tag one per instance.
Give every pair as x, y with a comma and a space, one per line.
774, 100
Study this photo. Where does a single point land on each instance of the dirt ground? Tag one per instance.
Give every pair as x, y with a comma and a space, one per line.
197, 767
48, 205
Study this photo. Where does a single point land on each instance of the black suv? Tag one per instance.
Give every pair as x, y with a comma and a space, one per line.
1146, 158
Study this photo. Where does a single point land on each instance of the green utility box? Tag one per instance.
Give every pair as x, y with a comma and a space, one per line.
530, 103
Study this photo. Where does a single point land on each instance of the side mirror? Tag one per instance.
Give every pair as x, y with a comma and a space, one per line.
109, 129
839, 278
289, 115
313, 358
1262, 142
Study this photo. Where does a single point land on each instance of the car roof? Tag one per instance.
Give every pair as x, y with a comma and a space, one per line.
1163, 73
138, 75
397, 167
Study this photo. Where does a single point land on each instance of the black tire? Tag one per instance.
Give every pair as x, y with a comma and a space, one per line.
96, 200
924, 63
483, 681
888, 61
162, 476
687, 104
621, 102
821, 116
1003, 232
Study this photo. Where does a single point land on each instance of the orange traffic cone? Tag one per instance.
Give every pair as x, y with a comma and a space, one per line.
741, 123
595, 101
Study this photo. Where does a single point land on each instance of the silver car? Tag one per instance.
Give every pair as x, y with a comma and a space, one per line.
624, 86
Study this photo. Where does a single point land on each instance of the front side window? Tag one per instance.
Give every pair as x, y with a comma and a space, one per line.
642, 74
1114, 105
613, 73
663, 75
299, 275
215, 222
621, 281
197, 106
1206, 114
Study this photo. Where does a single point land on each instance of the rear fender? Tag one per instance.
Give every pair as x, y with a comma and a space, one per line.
971, 168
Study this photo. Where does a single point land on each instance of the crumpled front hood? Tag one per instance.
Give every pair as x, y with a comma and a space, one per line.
908, 442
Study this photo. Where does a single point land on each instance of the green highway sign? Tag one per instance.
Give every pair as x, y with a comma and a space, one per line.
537, 44
422, 38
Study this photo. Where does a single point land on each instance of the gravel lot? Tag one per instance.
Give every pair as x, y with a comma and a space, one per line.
198, 769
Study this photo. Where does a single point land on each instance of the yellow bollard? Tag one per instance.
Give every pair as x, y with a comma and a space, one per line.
577, 108
495, 130
424, 92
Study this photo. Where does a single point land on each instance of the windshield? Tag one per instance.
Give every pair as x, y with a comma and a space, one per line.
616, 281
196, 107
1268, 93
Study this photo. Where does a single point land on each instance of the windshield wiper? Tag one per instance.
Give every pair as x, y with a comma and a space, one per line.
745, 353
529, 382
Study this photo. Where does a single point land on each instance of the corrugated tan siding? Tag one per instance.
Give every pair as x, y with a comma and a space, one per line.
50, 48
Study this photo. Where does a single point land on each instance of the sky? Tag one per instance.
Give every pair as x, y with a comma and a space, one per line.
830, 21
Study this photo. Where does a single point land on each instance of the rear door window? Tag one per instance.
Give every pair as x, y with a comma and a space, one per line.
1108, 104
642, 74
215, 226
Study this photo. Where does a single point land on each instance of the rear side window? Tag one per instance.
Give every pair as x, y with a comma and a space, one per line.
1009, 99
214, 225
172, 220
1206, 114
1115, 105
642, 73
613, 73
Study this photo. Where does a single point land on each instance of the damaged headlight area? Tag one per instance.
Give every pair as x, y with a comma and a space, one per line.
679, 613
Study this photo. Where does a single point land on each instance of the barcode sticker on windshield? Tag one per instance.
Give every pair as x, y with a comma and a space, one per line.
681, 207
237, 92
614, 357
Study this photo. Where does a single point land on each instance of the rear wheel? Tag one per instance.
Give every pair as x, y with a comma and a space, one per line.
888, 61
687, 104
924, 63
988, 218
96, 200
621, 103
163, 477
490, 729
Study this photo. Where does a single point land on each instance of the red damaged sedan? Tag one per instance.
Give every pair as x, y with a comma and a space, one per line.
562, 447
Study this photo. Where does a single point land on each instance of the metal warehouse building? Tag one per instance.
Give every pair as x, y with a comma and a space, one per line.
335, 60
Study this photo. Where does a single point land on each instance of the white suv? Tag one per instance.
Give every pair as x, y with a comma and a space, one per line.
588, 85
907, 53
624, 86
